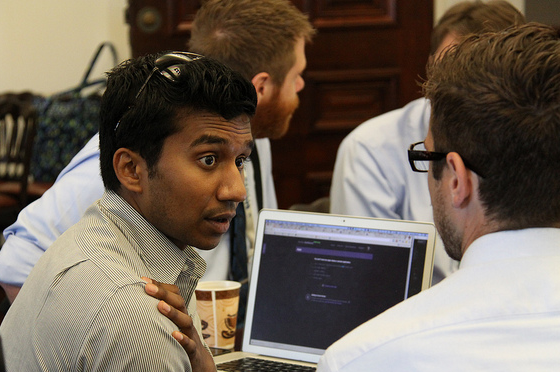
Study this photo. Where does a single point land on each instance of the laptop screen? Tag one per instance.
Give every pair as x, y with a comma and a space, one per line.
317, 281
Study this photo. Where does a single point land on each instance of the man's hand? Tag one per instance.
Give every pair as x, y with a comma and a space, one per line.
173, 306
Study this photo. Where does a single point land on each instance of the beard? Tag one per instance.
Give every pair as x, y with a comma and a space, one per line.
452, 239
272, 118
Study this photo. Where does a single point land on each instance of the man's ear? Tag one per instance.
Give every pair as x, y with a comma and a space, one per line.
263, 85
130, 168
460, 182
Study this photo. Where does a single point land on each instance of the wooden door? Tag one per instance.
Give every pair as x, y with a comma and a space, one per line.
365, 60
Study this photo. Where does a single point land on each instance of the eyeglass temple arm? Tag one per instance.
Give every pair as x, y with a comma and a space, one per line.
145, 83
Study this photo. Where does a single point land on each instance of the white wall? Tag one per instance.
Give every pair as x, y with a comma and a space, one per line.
45, 45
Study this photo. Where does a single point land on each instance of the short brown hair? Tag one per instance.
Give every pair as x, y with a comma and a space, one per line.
475, 17
496, 102
250, 36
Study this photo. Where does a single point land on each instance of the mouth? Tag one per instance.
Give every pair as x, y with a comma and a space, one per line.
221, 222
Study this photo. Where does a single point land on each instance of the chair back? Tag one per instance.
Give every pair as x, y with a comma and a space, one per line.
18, 125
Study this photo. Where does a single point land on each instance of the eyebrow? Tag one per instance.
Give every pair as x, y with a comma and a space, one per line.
207, 139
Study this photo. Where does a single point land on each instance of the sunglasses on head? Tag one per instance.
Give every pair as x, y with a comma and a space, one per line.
169, 66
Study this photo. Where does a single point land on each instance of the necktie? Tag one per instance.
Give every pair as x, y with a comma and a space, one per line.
238, 246
258, 180
238, 260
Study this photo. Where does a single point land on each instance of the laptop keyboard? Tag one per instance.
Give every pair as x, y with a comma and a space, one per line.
257, 365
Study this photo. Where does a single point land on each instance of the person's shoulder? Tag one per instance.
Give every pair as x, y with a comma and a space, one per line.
410, 121
127, 311
88, 154
129, 296
404, 322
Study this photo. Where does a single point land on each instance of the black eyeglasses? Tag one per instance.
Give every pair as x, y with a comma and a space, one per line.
169, 66
418, 157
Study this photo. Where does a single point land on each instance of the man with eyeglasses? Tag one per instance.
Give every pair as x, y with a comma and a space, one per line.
174, 137
370, 175
491, 154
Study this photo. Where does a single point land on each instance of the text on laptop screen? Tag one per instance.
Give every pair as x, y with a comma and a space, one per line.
317, 282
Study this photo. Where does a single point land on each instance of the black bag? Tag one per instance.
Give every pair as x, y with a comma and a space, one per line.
66, 122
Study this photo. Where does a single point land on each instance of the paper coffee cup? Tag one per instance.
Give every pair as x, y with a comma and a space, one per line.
217, 303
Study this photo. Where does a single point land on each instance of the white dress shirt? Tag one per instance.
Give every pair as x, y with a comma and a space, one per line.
499, 312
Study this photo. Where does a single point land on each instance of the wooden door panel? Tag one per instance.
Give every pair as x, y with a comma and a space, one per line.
366, 60
157, 25
352, 13
343, 98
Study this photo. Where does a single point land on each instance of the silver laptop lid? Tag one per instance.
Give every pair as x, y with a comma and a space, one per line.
317, 276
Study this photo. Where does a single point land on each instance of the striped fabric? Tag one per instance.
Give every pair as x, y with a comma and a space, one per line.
83, 308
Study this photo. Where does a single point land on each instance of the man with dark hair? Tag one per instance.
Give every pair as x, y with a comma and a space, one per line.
492, 152
265, 41
370, 175
174, 136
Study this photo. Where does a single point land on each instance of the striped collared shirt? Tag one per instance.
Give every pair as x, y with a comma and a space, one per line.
83, 307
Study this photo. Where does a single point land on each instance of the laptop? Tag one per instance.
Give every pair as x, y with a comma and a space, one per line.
317, 276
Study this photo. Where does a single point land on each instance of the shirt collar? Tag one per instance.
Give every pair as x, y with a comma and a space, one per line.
512, 244
163, 258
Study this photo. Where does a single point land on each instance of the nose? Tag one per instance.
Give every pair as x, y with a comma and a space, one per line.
300, 84
232, 187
